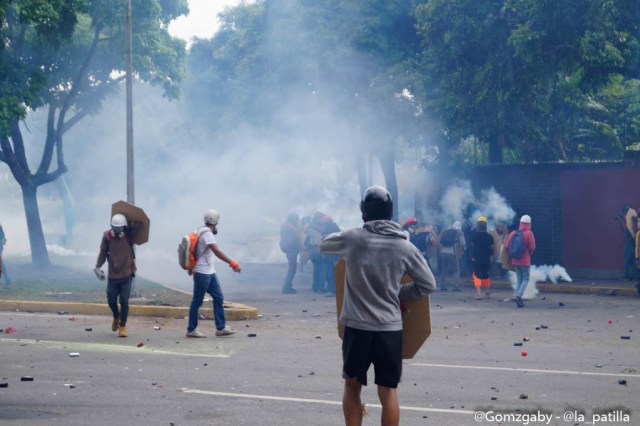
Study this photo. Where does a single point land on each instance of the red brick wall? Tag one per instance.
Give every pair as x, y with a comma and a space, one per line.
572, 207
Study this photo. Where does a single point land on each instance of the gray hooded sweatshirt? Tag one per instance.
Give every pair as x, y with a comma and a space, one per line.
377, 256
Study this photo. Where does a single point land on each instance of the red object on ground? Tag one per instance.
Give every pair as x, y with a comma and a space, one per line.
610, 321
524, 353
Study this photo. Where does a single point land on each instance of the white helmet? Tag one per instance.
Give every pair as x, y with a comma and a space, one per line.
118, 220
211, 217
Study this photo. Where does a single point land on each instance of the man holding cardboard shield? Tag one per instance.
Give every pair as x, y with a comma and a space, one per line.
377, 256
129, 226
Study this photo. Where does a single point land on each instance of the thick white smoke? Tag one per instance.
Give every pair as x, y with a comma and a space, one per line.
460, 203
540, 274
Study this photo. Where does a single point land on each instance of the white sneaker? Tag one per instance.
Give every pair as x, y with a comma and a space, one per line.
195, 333
225, 332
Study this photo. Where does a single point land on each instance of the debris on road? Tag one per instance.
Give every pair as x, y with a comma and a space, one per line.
74, 354
10, 330
26, 379
622, 382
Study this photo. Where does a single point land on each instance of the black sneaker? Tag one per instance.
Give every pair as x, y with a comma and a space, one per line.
288, 291
519, 302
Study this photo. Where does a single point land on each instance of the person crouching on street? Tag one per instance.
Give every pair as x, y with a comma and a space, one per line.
116, 248
377, 256
205, 279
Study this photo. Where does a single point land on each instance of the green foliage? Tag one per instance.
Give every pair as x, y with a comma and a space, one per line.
67, 56
530, 76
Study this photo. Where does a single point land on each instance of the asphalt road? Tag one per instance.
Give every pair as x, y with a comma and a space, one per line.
289, 373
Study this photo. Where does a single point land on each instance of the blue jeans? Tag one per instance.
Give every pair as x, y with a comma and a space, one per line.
204, 283
329, 274
522, 279
119, 288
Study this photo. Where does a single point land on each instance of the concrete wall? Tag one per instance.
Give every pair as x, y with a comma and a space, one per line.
572, 207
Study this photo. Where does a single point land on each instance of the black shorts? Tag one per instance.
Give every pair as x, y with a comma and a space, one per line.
383, 349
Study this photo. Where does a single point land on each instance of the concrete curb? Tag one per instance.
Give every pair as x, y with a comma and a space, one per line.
232, 311
563, 288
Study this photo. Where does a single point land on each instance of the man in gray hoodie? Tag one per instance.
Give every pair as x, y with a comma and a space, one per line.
377, 256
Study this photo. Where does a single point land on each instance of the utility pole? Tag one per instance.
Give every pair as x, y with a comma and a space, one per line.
131, 199
129, 72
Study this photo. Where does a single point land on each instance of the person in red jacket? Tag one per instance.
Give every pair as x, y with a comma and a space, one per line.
522, 263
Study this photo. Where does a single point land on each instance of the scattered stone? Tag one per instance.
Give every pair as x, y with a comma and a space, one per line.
88, 329
598, 365
544, 326
494, 398
517, 344
524, 396
4, 384
304, 310
622, 382
26, 379
154, 383
525, 339
625, 337
70, 385
560, 304
318, 337
252, 335
156, 327
537, 328
62, 312
141, 344
74, 354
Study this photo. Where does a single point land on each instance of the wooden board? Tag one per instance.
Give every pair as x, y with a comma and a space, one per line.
416, 318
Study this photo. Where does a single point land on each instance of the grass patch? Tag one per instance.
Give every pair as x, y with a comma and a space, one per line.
66, 284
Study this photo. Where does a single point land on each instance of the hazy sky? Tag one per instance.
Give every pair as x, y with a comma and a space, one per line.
202, 19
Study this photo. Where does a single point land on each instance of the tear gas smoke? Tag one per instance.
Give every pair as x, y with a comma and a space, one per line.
460, 203
180, 173
539, 274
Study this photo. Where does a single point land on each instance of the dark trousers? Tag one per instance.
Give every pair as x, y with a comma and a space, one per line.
119, 288
292, 259
629, 257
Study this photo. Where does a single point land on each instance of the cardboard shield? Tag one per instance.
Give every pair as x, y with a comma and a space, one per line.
416, 318
137, 219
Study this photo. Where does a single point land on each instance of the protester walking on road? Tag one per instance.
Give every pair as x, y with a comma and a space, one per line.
520, 245
290, 246
452, 246
630, 228
3, 267
482, 252
205, 279
377, 256
116, 248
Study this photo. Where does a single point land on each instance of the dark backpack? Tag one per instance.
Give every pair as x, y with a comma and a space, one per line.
449, 238
517, 245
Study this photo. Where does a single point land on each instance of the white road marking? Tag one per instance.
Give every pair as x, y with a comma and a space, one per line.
317, 401
528, 370
108, 347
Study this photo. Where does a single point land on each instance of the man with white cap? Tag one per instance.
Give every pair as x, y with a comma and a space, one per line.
521, 244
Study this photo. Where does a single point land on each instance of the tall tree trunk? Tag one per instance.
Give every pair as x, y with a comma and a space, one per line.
388, 165
39, 254
363, 176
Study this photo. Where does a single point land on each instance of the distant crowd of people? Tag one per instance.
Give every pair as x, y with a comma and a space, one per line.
455, 251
